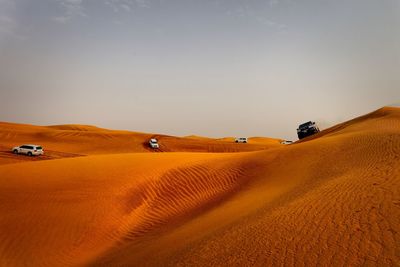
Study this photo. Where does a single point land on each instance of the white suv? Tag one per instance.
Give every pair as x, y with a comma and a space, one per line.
30, 150
241, 140
286, 142
153, 143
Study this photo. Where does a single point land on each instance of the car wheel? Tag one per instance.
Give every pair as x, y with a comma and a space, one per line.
15, 151
30, 154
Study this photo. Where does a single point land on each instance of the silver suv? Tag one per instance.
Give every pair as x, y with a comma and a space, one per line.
241, 140
154, 143
30, 150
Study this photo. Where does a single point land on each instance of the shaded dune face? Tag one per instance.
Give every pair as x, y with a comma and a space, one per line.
331, 200
182, 190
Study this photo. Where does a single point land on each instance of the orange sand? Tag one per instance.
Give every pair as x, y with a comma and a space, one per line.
81, 140
333, 199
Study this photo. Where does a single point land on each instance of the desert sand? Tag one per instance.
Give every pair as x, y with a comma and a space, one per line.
62, 141
101, 198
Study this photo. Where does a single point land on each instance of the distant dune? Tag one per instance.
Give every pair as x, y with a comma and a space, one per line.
82, 140
330, 200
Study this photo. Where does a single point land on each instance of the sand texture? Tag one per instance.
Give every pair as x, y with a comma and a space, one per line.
102, 198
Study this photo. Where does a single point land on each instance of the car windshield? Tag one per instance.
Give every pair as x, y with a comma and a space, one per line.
153, 140
304, 125
39, 148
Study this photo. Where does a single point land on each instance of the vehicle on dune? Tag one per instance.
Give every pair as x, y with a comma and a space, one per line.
153, 143
307, 129
30, 150
241, 140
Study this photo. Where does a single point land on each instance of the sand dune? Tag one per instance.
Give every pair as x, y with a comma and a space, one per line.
333, 199
81, 140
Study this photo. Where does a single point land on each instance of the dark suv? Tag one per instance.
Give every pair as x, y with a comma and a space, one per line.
307, 129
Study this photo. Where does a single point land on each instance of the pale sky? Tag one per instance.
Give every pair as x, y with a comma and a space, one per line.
206, 67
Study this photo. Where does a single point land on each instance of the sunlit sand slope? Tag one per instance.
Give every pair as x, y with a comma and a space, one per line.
333, 200
65, 212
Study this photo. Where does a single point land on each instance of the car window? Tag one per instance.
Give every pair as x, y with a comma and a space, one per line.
39, 147
29, 147
25, 147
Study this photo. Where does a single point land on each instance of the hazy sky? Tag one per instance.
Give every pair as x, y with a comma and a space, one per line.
205, 67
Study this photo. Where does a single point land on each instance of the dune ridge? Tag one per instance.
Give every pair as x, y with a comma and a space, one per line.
333, 199
186, 188
137, 203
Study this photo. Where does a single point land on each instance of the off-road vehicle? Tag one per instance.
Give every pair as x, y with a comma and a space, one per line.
241, 140
153, 143
307, 129
30, 150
